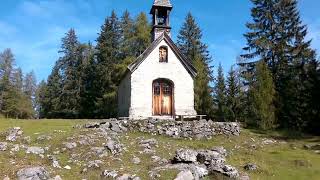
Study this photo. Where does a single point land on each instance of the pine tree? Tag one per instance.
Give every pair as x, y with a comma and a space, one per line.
234, 96
13, 103
261, 97
41, 100
86, 76
277, 37
69, 62
220, 96
189, 42
50, 103
108, 45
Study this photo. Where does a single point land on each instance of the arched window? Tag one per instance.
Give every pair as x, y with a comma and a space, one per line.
163, 54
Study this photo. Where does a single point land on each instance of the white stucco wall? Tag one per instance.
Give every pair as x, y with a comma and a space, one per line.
124, 96
151, 69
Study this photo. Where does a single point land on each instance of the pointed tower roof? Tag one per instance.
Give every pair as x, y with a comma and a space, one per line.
164, 3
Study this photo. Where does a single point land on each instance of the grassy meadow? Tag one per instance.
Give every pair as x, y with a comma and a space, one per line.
285, 159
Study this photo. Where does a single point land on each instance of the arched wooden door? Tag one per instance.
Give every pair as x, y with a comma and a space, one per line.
162, 98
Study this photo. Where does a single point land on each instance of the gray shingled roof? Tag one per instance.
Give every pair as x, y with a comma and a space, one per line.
165, 3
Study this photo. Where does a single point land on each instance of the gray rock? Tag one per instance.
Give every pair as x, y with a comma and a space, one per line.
35, 150
250, 167
114, 147
124, 177
3, 146
186, 155
155, 158
57, 177
221, 150
33, 173
14, 134
109, 174
70, 145
150, 142
185, 175
230, 171
136, 160
94, 164
206, 156
216, 164
44, 137
54, 160
199, 171
98, 151
15, 148
26, 139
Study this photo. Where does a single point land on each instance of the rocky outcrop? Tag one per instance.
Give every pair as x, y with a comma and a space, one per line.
14, 134
33, 173
177, 129
199, 163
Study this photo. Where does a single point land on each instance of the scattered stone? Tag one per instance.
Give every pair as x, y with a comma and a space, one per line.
317, 151
14, 134
185, 175
151, 142
186, 155
250, 167
155, 158
26, 139
109, 174
268, 141
70, 145
3, 146
312, 147
94, 164
57, 177
44, 137
114, 147
6, 178
15, 148
230, 171
221, 150
55, 162
33, 173
35, 150
206, 156
67, 167
136, 160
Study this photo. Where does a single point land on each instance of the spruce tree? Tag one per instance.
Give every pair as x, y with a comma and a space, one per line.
277, 37
190, 43
261, 98
69, 62
233, 94
220, 96
86, 72
108, 45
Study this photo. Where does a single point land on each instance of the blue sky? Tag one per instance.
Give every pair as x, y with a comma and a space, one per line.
33, 28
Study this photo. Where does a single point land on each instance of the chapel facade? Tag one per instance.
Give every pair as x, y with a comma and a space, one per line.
160, 82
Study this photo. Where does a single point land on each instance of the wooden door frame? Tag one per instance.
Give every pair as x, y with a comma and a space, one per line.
160, 80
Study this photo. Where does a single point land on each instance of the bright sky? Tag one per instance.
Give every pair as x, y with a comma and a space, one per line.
33, 28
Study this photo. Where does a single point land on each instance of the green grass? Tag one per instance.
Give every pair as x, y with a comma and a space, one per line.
286, 159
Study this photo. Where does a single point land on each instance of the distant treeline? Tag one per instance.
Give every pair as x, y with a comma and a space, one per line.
275, 83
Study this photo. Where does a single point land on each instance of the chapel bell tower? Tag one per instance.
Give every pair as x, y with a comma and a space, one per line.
161, 18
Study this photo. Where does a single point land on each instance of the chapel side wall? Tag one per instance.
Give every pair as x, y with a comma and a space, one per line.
124, 96
151, 69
